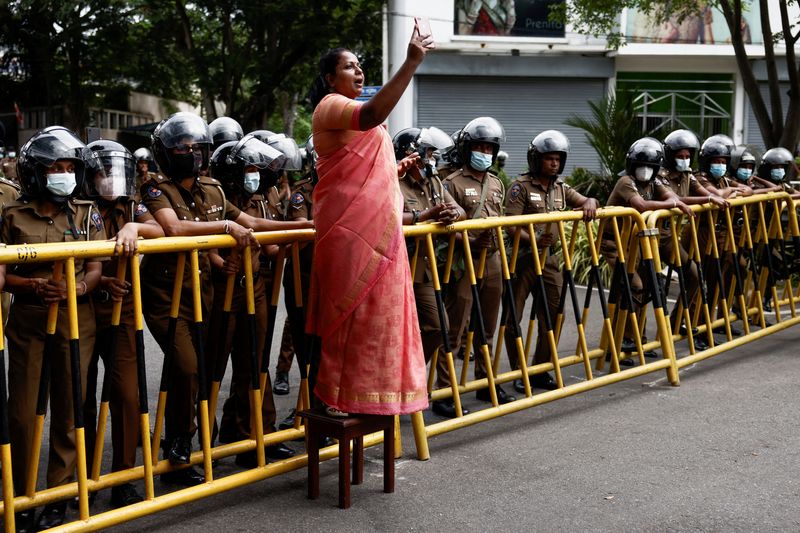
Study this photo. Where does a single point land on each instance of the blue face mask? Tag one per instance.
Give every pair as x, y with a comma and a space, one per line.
718, 169
682, 165
743, 174
777, 174
251, 181
480, 161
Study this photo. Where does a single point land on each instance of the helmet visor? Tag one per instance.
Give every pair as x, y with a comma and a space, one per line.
117, 178
253, 152
434, 138
57, 144
288, 147
184, 128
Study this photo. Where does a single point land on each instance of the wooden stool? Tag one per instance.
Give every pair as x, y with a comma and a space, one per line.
320, 425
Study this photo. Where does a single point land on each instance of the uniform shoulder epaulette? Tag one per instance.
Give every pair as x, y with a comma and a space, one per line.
158, 178
78, 201
210, 181
19, 202
10, 183
453, 175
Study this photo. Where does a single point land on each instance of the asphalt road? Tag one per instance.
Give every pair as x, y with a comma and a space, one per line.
718, 453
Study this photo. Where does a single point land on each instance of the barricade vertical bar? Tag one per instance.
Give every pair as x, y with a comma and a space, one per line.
77, 394
570, 282
608, 329
5, 441
752, 270
141, 373
220, 363
737, 272
478, 314
272, 311
298, 316
548, 322
256, 424
174, 310
202, 411
702, 288
448, 351
108, 370
44, 389
512, 314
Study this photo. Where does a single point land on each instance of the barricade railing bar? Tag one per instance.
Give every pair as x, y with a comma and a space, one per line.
731, 254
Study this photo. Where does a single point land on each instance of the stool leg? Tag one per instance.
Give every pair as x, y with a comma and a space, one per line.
358, 460
388, 458
312, 444
344, 473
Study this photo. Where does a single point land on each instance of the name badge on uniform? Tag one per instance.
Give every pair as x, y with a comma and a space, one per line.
470, 192
214, 209
536, 197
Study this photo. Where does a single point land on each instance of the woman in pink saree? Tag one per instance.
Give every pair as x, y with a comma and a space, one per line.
361, 302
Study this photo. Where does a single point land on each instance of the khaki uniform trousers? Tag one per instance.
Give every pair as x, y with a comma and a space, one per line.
183, 385
523, 285
459, 305
123, 399
235, 423
26, 336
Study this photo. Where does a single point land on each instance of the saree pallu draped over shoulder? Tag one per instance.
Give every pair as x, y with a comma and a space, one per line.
361, 302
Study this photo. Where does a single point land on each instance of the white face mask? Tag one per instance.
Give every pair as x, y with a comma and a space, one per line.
251, 181
109, 187
61, 184
644, 173
682, 165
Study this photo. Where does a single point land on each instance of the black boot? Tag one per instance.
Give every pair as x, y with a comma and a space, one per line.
25, 521
187, 477
52, 516
179, 450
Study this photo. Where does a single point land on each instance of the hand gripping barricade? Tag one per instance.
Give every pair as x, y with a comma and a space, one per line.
749, 252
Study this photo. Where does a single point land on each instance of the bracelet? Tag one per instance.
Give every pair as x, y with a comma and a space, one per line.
227, 227
709, 199
415, 216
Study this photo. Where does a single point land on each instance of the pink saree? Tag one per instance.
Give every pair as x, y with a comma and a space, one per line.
361, 302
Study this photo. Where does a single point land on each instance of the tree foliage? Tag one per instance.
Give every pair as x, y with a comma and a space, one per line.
255, 58
779, 125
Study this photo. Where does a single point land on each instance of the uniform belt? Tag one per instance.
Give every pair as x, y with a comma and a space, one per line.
219, 277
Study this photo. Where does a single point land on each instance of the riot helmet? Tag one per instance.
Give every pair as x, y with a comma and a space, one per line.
502, 157
742, 164
676, 141
286, 145
181, 145
775, 164
115, 177
143, 154
550, 141
645, 152
231, 161
481, 129
42, 152
405, 142
224, 129
715, 147
450, 156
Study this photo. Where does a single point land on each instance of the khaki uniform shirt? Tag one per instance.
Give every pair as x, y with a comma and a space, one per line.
684, 184
419, 197
466, 190
24, 224
205, 202
627, 187
9, 191
116, 216
706, 179
527, 197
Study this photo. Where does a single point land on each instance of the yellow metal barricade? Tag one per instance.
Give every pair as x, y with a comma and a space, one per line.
741, 263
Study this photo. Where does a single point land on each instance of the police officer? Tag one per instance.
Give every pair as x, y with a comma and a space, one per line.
640, 188
774, 167
540, 190
112, 186
184, 203
715, 154
426, 200
245, 168
480, 193
451, 160
742, 168
144, 162
9, 191
51, 169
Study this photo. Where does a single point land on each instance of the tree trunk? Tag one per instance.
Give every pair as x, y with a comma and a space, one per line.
791, 130
206, 96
